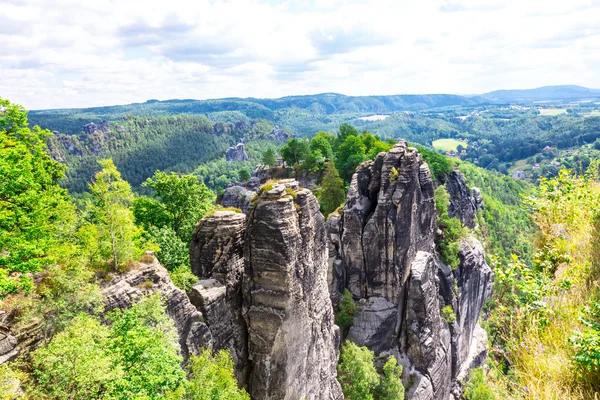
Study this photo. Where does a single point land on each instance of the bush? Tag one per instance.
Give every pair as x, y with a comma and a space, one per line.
345, 315
587, 341
356, 372
477, 388
183, 278
390, 386
360, 380
448, 314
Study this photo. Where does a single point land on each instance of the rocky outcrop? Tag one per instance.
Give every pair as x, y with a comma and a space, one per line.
9, 348
237, 197
383, 248
104, 127
292, 339
124, 290
236, 153
464, 203
217, 257
90, 129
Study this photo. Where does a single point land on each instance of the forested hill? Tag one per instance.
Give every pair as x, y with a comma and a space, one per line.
71, 120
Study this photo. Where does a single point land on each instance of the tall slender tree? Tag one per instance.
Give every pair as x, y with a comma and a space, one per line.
332, 189
111, 213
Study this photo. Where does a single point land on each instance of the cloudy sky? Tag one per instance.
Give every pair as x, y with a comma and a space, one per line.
74, 53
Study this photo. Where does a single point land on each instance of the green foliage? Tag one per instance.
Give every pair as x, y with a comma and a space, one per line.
268, 158
173, 252
112, 216
211, 379
35, 213
77, 363
394, 174
149, 212
63, 292
295, 152
448, 314
505, 222
136, 357
350, 153
184, 199
183, 278
345, 131
244, 174
344, 318
390, 386
356, 372
439, 165
477, 388
332, 190
10, 383
452, 230
144, 343
586, 342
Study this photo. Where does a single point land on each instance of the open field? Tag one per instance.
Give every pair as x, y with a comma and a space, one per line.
447, 144
552, 111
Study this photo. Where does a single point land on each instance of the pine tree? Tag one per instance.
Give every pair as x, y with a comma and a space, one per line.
268, 158
332, 189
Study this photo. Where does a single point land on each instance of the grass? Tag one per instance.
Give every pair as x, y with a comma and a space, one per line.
447, 144
552, 111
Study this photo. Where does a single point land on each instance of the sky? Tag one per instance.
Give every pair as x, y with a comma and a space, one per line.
76, 53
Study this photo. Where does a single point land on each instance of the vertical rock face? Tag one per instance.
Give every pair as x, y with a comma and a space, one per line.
217, 258
384, 254
463, 204
238, 197
388, 217
292, 339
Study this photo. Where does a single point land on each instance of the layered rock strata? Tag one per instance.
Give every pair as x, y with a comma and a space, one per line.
383, 249
292, 339
217, 258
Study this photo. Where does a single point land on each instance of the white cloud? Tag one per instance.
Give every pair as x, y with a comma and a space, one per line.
69, 53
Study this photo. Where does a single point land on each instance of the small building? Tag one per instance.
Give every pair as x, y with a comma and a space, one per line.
547, 148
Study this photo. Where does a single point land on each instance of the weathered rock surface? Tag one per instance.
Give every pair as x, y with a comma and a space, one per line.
124, 290
8, 343
463, 203
292, 339
238, 197
384, 254
236, 153
217, 257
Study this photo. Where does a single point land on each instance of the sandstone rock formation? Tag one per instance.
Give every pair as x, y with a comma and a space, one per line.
384, 254
217, 257
238, 197
124, 290
464, 202
292, 339
236, 153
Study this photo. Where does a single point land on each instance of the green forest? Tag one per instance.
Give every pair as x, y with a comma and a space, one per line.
77, 208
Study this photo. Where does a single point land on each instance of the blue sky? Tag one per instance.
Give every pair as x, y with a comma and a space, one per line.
73, 53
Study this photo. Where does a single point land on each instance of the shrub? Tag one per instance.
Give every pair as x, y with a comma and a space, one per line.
356, 372
477, 388
448, 314
587, 341
345, 315
183, 278
390, 386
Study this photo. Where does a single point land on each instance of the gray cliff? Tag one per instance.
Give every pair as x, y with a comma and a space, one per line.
292, 340
383, 252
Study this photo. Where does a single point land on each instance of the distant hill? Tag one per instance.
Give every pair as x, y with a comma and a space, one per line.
545, 93
72, 120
